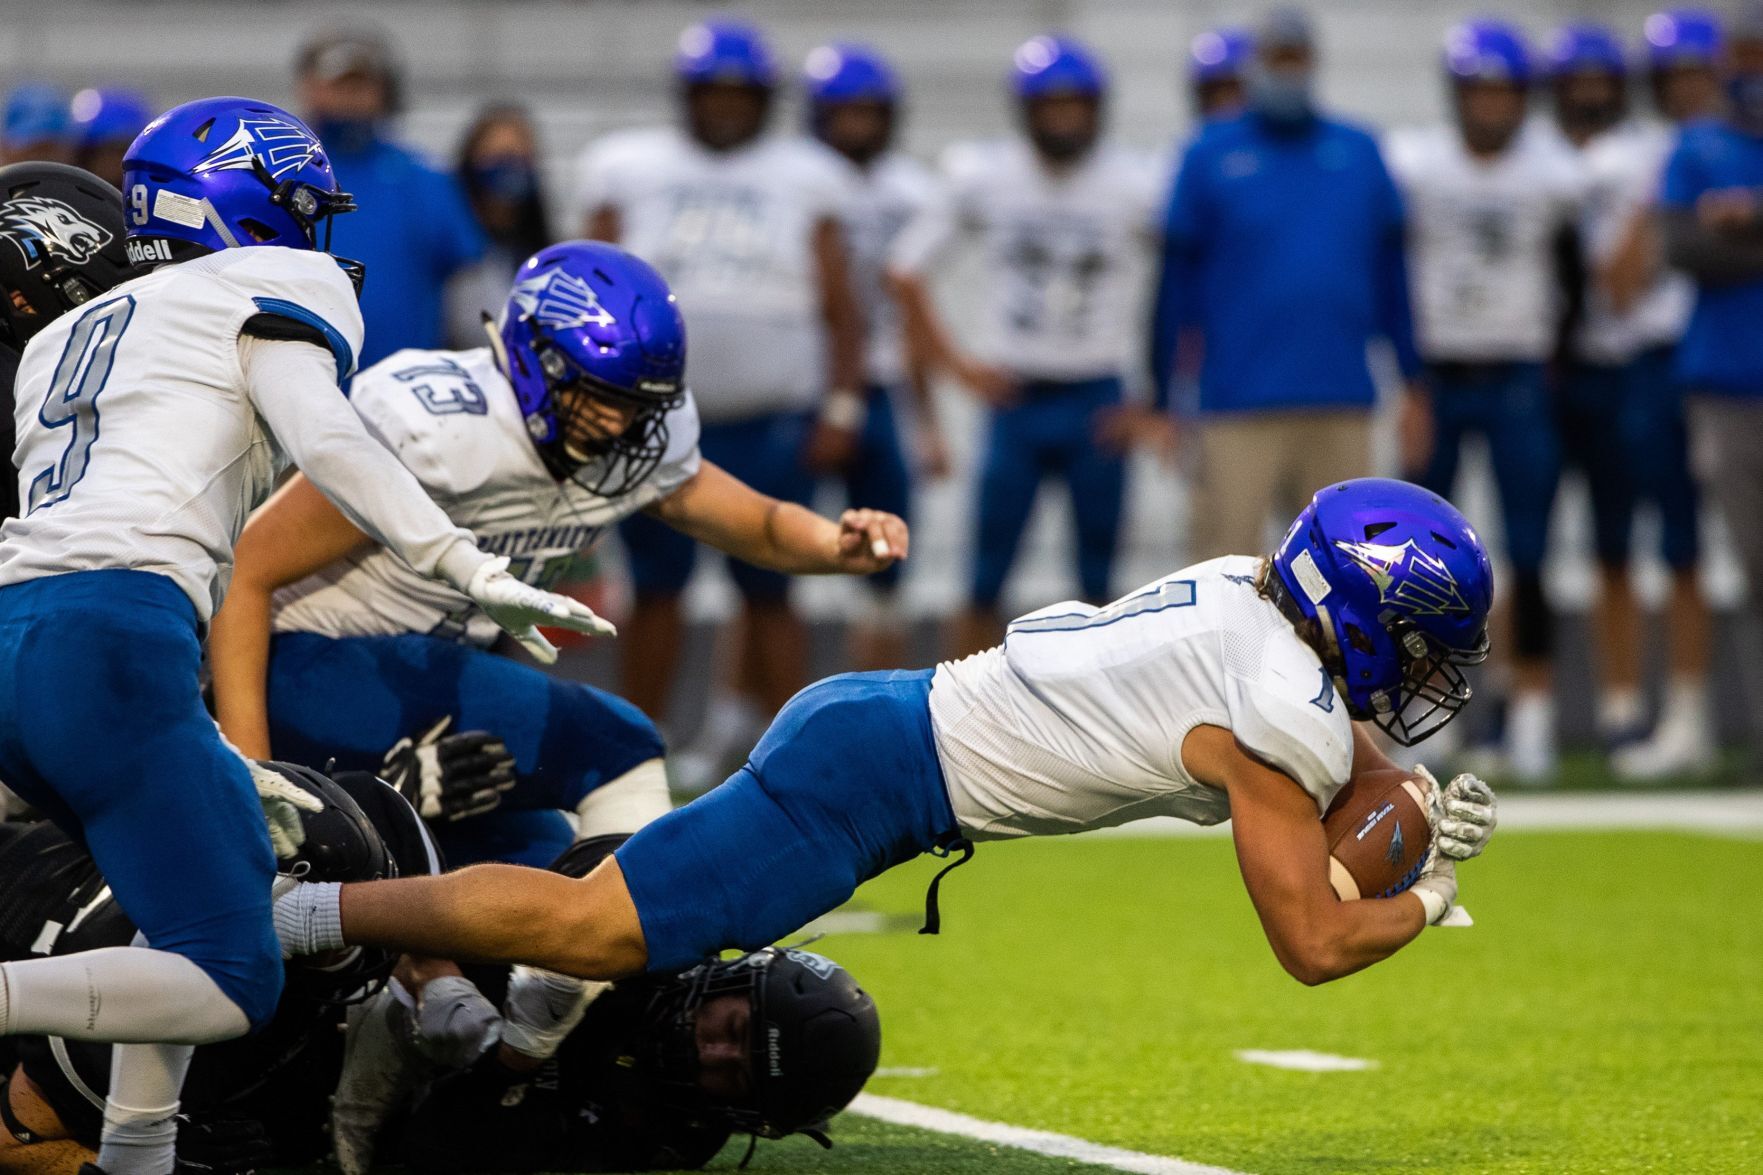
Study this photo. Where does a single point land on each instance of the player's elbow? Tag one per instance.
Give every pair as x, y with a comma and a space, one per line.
1313, 958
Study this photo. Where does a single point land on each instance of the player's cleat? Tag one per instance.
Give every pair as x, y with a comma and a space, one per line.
1682, 743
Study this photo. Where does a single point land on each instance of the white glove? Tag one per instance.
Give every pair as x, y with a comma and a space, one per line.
282, 804
1469, 817
1437, 887
543, 1008
520, 608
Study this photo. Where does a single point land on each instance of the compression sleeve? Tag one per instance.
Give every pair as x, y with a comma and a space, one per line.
294, 388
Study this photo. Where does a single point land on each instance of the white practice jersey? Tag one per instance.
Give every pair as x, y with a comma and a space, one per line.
1481, 242
1077, 720
139, 446
1623, 168
1066, 253
732, 232
889, 194
451, 418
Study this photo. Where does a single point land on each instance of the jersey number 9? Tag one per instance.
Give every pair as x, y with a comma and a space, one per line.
72, 402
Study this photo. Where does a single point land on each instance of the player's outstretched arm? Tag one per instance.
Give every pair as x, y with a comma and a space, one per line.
1284, 861
717, 508
295, 534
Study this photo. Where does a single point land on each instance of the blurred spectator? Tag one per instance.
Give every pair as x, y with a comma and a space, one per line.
413, 230
1623, 415
854, 108
1066, 220
745, 228
1488, 207
1283, 247
499, 169
105, 122
1588, 77
35, 125
1713, 224
1218, 61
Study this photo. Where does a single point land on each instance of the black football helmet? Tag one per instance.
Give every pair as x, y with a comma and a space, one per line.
62, 231
341, 844
815, 1040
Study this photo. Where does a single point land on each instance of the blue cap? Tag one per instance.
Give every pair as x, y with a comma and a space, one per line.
36, 112
1048, 65
1219, 54
846, 72
1683, 36
1487, 51
108, 116
1583, 47
728, 52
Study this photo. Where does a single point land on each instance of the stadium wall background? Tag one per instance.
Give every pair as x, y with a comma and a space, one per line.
597, 65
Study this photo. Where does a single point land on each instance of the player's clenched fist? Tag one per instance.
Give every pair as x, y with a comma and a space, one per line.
870, 540
1468, 818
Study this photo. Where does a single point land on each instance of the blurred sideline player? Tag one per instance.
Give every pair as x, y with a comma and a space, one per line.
1488, 205
105, 122
241, 1104
744, 226
656, 1076
1625, 413
1218, 63
1065, 221
217, 362
63, 234
1228, 690
574, 416
854, 108
1587, 74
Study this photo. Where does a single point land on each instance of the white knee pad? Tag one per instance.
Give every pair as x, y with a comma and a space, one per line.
625, 804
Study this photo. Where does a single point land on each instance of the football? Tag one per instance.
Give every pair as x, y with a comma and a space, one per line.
1377, 834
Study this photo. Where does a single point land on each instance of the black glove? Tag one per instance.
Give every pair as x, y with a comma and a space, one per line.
448, 777
221, 1147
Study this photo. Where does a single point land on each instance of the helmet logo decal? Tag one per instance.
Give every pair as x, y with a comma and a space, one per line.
281, 146
41, 227
1425, 587
562, 301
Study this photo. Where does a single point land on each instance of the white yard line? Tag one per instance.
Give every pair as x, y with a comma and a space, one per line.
1304, 1061
1041, 1142
1736, 813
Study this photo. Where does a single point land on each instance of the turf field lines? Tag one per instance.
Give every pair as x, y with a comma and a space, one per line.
1304, 1060
1040, 1142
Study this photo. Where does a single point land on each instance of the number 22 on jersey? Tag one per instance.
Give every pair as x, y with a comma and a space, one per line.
72, 402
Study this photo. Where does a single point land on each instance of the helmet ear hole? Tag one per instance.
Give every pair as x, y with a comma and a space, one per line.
258, 231
1360, 641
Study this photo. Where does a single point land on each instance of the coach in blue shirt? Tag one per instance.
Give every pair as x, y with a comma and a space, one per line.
1712, 209
413, 230
1283, 259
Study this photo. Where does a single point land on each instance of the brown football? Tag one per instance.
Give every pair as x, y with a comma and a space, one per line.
1377, 834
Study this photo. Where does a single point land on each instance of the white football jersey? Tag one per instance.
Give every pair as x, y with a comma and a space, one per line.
451, 418
138, 445
1623, 168
1076, 721
1481, 242
888, 195
1066, 253
732, 232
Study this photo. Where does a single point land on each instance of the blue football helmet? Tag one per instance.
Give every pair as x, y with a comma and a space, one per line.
1399, 587
108, 116
1219, 55
1682, 37
1487, 51
847, 72
1049, 66
724, 52
588, 324
228, 173
1584, 47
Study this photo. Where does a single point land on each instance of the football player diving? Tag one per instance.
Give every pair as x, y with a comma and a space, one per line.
1243, 688
215, 365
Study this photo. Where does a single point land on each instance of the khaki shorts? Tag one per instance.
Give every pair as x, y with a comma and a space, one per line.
1251, 467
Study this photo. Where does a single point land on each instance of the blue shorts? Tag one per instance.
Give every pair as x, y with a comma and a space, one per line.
1508, 403
766, 453
102, 728
350, 699
844, 785
1596, 425
878, 478
1049, 432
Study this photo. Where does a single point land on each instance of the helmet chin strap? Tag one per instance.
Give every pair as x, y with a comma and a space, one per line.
497, 350
1335, 656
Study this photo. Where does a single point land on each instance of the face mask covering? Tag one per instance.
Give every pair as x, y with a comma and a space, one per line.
1282, 97
1061, 148
346, 136
510, 180
1746, 94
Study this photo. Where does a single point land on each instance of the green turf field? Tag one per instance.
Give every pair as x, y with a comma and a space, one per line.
1606, 1014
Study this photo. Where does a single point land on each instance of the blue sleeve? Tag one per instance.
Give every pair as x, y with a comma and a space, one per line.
1684, 179
1395, 311
1178, 275
459, 241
